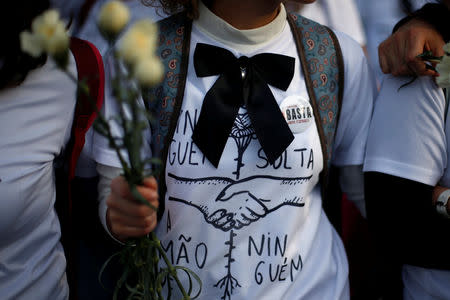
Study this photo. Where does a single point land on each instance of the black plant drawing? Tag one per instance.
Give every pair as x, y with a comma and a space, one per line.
237, 205
242, 134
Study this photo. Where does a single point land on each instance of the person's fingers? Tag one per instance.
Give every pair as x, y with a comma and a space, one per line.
122, 199
123, 227
123, 233
382, 57
414, 45
398, 53
150, 182
390, 55
120, 187
117, 217
130, 207
127, 217
436, 45
149, 192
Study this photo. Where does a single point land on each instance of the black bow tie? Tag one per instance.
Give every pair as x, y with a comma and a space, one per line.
242, 82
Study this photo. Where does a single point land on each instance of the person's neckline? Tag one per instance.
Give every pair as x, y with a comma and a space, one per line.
241, 40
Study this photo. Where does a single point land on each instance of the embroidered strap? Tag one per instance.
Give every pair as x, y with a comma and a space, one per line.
173, 49
321, 62
164, 101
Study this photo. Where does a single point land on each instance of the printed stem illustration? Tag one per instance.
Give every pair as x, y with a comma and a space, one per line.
228, 282
242, 133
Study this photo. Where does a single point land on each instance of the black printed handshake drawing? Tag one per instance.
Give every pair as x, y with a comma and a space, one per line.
240, 202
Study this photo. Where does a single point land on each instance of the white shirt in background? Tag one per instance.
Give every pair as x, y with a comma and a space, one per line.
340, 15
409, 138
35, 123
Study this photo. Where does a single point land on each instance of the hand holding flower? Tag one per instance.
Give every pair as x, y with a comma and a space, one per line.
398, 53
442, 67
133, 200
126, 217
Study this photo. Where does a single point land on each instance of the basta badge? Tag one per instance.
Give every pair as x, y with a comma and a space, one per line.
297, 112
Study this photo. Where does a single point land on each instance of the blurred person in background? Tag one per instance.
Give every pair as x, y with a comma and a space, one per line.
340, 15
37, 103
408, 156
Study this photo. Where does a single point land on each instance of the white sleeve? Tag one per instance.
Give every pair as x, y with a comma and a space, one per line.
353, 125
407, 136
358, 96
107, 174
344, 16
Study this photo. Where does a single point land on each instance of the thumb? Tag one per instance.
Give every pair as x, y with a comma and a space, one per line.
233, 189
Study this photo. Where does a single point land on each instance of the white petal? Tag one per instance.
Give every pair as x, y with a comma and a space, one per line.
30, 44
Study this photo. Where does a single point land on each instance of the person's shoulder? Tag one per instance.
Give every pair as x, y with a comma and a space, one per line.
348, 45
411, 93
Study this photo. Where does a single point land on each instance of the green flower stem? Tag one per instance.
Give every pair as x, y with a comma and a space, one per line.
132, 135
81, 86
172, 270
140, 257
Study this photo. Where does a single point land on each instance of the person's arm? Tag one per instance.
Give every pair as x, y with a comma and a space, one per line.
406, 226
351, 181
425, 30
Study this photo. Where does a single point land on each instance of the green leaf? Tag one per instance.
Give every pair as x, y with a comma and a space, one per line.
428, 56
195, 276
107, 262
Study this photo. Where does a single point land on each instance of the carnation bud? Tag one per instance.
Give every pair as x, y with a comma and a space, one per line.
112, 19
138, 42
148, 71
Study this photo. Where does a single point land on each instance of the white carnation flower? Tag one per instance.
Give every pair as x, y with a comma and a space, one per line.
139, 42
443, 68
30, 44
149, 71
113, 17
51, 33
447, 48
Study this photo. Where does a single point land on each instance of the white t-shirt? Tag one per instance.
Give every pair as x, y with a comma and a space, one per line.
278, 243
35, 123
408, 138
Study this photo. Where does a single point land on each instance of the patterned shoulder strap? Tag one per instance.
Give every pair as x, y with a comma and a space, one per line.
322, 64
165, 99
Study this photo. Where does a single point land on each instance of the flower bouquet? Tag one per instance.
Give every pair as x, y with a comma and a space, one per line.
442, 67
135, 67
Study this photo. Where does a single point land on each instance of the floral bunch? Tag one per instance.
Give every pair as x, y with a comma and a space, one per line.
442, 65
137, 46
135, 67
48, 35
443, 68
